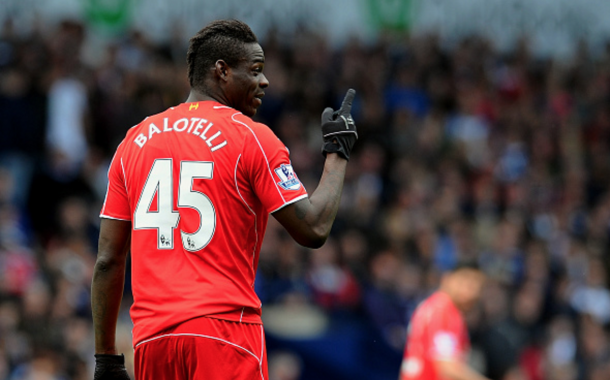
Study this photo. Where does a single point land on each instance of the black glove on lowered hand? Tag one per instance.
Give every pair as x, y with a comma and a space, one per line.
110, 367
338, 128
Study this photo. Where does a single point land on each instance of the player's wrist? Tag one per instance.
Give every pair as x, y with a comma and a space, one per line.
335, 163
110, 358
335, 157
110, 367
106, 351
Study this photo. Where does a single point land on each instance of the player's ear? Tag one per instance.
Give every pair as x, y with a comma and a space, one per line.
222, 70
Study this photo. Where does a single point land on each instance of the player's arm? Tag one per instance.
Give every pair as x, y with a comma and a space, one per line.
456, 370
106, 296
108, 282
309, 220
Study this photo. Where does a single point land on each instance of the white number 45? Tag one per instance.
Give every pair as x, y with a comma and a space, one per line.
165, 219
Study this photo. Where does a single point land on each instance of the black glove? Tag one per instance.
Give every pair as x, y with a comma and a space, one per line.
338, 128
110, 367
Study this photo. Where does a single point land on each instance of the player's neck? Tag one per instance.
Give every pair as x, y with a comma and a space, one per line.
446, 290
197, 96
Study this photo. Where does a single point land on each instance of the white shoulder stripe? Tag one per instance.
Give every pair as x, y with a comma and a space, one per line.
262, 150
249, 208
124, 176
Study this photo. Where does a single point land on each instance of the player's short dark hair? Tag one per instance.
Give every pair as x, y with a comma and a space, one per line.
221, 39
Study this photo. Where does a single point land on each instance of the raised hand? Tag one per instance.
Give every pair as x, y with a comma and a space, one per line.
338, 128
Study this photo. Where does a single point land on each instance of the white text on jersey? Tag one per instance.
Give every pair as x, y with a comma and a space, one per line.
194, 126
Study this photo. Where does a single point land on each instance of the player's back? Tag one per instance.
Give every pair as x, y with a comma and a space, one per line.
198, 214
436, 332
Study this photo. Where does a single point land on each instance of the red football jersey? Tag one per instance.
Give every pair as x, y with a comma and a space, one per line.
198, 183
437, 332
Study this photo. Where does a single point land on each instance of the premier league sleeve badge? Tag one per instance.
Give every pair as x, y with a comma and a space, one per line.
288, 180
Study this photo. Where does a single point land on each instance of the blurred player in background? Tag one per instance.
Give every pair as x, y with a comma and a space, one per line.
437, 341
190, 192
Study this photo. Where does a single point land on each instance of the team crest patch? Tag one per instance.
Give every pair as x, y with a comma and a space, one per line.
288, 180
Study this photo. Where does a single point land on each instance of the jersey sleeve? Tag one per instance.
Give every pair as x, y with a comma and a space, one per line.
116, 203
270, 171
445, 336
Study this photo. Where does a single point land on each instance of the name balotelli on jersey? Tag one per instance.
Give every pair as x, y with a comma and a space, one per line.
194, 125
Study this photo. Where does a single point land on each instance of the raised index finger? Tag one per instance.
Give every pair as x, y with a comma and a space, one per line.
346, 106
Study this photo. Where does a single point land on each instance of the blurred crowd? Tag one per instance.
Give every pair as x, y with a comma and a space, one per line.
465, 152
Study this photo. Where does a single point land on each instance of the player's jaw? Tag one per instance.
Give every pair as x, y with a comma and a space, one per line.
252, 100
257, 92
257, 100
